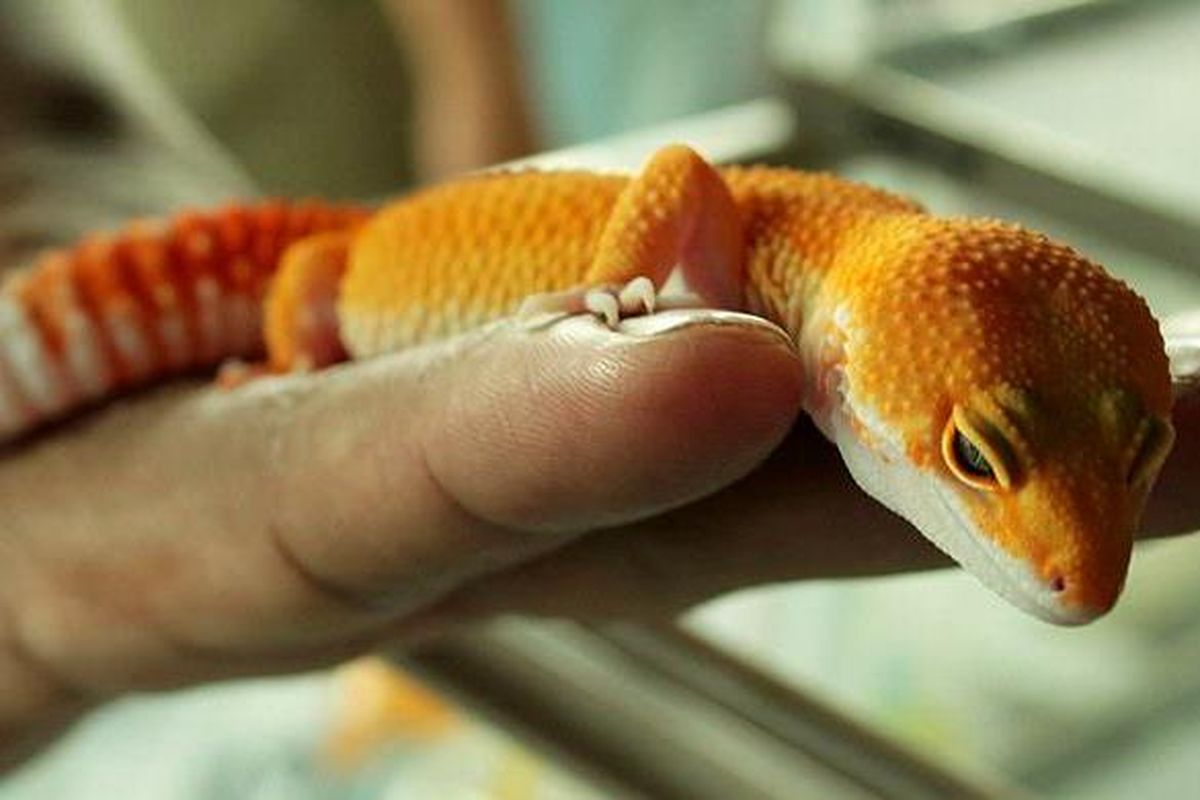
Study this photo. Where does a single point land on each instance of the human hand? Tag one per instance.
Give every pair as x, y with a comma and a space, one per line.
191, 535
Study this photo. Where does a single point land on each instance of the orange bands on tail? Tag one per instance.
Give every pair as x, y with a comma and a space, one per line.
154, 299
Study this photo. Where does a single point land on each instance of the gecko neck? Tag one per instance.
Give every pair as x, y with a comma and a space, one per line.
794, 254
789, 262
798, 227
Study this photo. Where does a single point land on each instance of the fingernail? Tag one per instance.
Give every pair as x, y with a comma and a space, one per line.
673, 321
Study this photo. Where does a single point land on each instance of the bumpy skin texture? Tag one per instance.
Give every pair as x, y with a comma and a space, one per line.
996, 388
153, 300
455, 256
1060, 361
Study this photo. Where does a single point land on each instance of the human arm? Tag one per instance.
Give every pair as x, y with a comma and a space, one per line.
472, 106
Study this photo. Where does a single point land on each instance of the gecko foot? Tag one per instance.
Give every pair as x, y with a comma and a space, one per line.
609, 303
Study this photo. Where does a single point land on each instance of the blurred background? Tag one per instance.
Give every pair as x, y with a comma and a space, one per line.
1078, 117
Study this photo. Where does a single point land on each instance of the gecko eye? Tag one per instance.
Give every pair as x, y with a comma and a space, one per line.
975, 453
969, 459
1157, 437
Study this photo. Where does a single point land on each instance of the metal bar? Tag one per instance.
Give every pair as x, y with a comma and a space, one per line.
882, 108
1000, 30
838, 742
591, 707
657, 713
759, 129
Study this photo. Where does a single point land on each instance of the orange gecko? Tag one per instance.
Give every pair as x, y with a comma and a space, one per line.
995, 388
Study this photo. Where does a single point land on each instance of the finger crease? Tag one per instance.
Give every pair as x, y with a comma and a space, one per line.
485, 559
320, 585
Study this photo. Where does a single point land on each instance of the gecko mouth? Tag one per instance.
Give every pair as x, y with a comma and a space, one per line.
1007, 576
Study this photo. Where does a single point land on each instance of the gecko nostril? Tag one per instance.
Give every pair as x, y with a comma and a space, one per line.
1058, 584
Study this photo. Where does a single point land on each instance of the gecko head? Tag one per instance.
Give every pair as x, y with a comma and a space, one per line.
1012, 400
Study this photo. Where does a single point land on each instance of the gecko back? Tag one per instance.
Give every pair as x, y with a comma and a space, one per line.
452, 257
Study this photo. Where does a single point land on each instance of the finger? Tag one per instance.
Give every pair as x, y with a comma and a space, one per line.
1174, 504
524, 437
283, 524
798, 517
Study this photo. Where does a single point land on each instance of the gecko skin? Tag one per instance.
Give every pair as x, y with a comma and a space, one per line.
995, 388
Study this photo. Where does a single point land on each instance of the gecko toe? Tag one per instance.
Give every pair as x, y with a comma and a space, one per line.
638, 296
603, 304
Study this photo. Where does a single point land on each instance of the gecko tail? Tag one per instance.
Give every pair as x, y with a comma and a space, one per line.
155, 299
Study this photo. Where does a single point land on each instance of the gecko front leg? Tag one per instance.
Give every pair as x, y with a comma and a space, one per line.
677, 217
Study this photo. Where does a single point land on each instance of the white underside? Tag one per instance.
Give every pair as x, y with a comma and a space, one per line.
27, 359
933, 508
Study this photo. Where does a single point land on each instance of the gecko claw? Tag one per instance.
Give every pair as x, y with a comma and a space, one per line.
638, 296
603, 304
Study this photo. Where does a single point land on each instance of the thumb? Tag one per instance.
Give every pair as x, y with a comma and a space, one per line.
438, 463
293, 522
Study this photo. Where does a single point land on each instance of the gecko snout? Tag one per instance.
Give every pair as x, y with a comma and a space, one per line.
1061, 593
1087, 585
1070, 543
1081, 605
1072, 600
